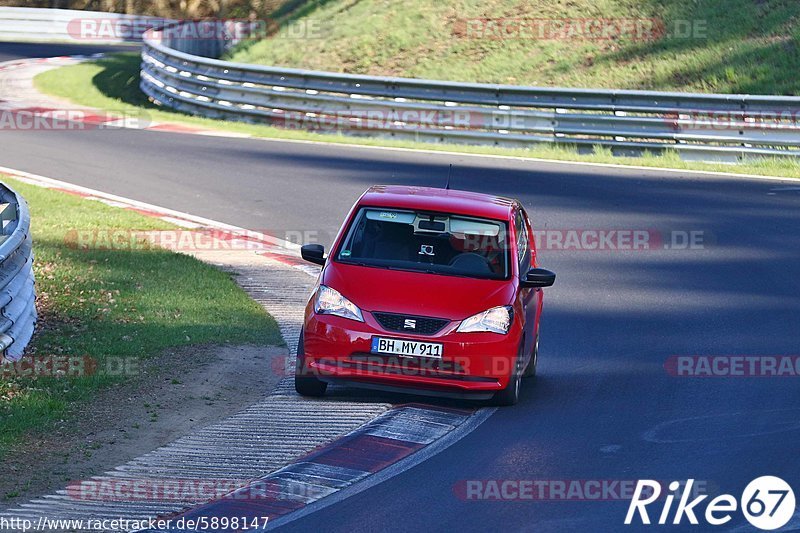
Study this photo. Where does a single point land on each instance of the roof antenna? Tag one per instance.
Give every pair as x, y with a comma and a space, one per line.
449, 173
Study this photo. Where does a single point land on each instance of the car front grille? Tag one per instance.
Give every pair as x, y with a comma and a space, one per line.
422, 325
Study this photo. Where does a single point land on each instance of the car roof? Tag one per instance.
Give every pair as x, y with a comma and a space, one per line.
439, 200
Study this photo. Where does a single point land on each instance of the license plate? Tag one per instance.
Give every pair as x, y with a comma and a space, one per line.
406, 347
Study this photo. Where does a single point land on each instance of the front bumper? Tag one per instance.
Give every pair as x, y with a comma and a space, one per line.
473, 365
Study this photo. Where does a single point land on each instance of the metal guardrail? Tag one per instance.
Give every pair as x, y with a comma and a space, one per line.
179, 71
702, 127
17, 292
70, 25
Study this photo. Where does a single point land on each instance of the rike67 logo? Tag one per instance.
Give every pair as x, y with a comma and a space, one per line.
767, 502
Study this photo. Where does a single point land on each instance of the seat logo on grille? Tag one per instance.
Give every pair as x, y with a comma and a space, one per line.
409, 323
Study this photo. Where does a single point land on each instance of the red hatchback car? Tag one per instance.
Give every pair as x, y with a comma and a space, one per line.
432, 291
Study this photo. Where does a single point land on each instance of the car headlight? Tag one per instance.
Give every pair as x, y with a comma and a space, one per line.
329, 302
495, 320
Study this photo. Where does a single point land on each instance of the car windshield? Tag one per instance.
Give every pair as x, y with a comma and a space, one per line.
435, 243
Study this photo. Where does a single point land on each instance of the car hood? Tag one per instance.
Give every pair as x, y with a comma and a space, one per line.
416, 293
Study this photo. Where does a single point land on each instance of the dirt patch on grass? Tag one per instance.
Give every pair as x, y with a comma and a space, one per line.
180, 390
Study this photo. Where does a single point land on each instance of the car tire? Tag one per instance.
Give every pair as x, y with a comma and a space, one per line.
304, 383
530, 370
510, 395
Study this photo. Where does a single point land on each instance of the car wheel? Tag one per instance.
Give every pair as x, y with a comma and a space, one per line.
305, 383
510, 395
530, 370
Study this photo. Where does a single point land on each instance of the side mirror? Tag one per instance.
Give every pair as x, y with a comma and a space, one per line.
537, 278
313, 253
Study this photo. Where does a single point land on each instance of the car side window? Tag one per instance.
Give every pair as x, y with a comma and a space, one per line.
523, 247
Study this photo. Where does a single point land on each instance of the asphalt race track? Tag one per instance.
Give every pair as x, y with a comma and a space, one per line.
10, 51
603, 407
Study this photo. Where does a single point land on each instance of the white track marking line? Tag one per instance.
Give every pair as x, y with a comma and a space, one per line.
36, 179
178, 218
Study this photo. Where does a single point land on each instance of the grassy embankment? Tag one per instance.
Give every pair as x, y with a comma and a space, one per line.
734, 46
116, 307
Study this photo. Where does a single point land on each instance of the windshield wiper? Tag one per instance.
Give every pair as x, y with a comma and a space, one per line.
425, 270
357, 263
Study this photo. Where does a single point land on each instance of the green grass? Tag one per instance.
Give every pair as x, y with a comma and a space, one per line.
740, 46
113, 304
112, 84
